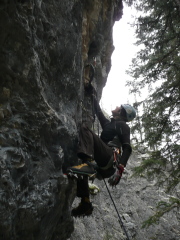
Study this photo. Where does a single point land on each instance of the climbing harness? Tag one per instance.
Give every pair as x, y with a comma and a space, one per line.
120, 220
114, 161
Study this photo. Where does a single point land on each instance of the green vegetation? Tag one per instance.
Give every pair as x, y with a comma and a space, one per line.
162, 208
156, 68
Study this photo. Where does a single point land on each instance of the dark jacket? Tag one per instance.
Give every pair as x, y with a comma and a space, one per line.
112, 129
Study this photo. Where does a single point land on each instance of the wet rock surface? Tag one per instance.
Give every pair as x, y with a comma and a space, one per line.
135, 199
44, 47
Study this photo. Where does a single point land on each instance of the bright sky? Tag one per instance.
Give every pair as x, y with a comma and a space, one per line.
115, 92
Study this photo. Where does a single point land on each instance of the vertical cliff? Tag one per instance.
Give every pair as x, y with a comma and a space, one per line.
45, 46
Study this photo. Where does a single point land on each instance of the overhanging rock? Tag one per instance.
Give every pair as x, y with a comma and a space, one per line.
44, 47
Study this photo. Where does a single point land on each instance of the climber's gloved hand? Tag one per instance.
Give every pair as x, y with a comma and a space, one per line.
115, 178
90, 90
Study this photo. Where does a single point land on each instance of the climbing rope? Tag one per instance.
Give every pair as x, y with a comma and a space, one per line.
120, 220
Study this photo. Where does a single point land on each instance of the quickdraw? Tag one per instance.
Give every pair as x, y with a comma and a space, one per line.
116, 152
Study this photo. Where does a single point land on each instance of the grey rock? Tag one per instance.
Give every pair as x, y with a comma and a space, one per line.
135, 199
44, 47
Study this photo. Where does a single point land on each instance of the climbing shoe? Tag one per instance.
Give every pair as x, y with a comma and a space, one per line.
82, 169
84, 209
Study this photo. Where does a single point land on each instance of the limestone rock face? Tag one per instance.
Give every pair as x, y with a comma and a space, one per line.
45, 46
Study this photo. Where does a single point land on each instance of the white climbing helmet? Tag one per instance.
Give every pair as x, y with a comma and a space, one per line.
130, 112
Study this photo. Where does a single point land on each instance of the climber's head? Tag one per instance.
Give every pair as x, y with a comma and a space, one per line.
125, 112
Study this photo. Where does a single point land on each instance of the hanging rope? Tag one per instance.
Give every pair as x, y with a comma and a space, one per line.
120, 220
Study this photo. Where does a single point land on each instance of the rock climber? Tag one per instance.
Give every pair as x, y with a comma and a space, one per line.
115, 135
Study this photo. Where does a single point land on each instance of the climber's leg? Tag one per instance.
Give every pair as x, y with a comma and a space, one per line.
85, 207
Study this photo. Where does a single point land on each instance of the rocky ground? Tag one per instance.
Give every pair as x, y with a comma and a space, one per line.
135, 199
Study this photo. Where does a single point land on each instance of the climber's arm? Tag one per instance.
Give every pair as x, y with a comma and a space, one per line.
100, 115
124, 136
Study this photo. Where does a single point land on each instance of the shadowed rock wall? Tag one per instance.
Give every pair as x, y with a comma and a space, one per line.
44, 47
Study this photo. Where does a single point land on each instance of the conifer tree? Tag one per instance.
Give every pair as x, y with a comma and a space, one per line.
157, 68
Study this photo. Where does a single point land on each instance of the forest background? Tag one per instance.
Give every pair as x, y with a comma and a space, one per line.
155, 71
